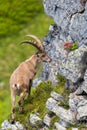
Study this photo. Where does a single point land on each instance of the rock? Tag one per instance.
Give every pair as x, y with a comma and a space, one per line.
19, 126
59, 126
45, 75
57, 96
36, 82
84, 84
66, 14
81, 36
78, 105
64, 123
70, 85
82, 110
70, 19
7, 125
74, 100
71, 67
67, 66
35, 120
47, 120
74, 128
64, 114
79, 90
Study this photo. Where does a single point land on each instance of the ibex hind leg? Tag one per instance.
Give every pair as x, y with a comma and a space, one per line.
20, 102
29, 88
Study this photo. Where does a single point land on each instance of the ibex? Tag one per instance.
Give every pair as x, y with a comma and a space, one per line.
21, 78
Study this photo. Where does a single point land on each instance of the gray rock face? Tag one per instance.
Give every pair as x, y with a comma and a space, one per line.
77, 111
36, 82
70, 17
59, 126
64, 114
71, 67
57, 96
74, 128
47, 120
82, 110
34, 119
67, 65
78, 105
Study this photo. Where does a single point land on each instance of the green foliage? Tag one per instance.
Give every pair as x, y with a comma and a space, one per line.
5, 105
53, 120
14, 15
61, 79
60, 88
74, 46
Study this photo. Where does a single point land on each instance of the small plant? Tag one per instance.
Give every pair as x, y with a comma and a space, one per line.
53, 120
61, 78
69, 46
74, 46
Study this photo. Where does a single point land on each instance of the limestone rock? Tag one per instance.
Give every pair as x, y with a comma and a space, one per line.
36, 82
70, 17
35, 120
64, 114
57, 96
82, 110
74, 128
59, 126
71, 67
7, 125
47, 120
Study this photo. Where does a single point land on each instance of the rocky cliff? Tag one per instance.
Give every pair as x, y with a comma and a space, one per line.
70, 18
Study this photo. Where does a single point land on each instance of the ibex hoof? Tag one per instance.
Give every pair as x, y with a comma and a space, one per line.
12, 121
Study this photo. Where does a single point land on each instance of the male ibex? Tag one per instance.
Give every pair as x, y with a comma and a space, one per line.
21, 79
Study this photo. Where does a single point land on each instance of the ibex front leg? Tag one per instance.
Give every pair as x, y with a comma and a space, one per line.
29, 88
22, 95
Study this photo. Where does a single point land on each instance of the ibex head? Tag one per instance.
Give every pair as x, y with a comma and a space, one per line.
41, 54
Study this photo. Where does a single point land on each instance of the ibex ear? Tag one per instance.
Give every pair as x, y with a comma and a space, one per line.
37, 53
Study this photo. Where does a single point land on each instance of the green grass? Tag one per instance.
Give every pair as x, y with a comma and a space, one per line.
5, 105
15, 15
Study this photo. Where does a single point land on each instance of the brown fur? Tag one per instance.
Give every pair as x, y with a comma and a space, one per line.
21, 79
